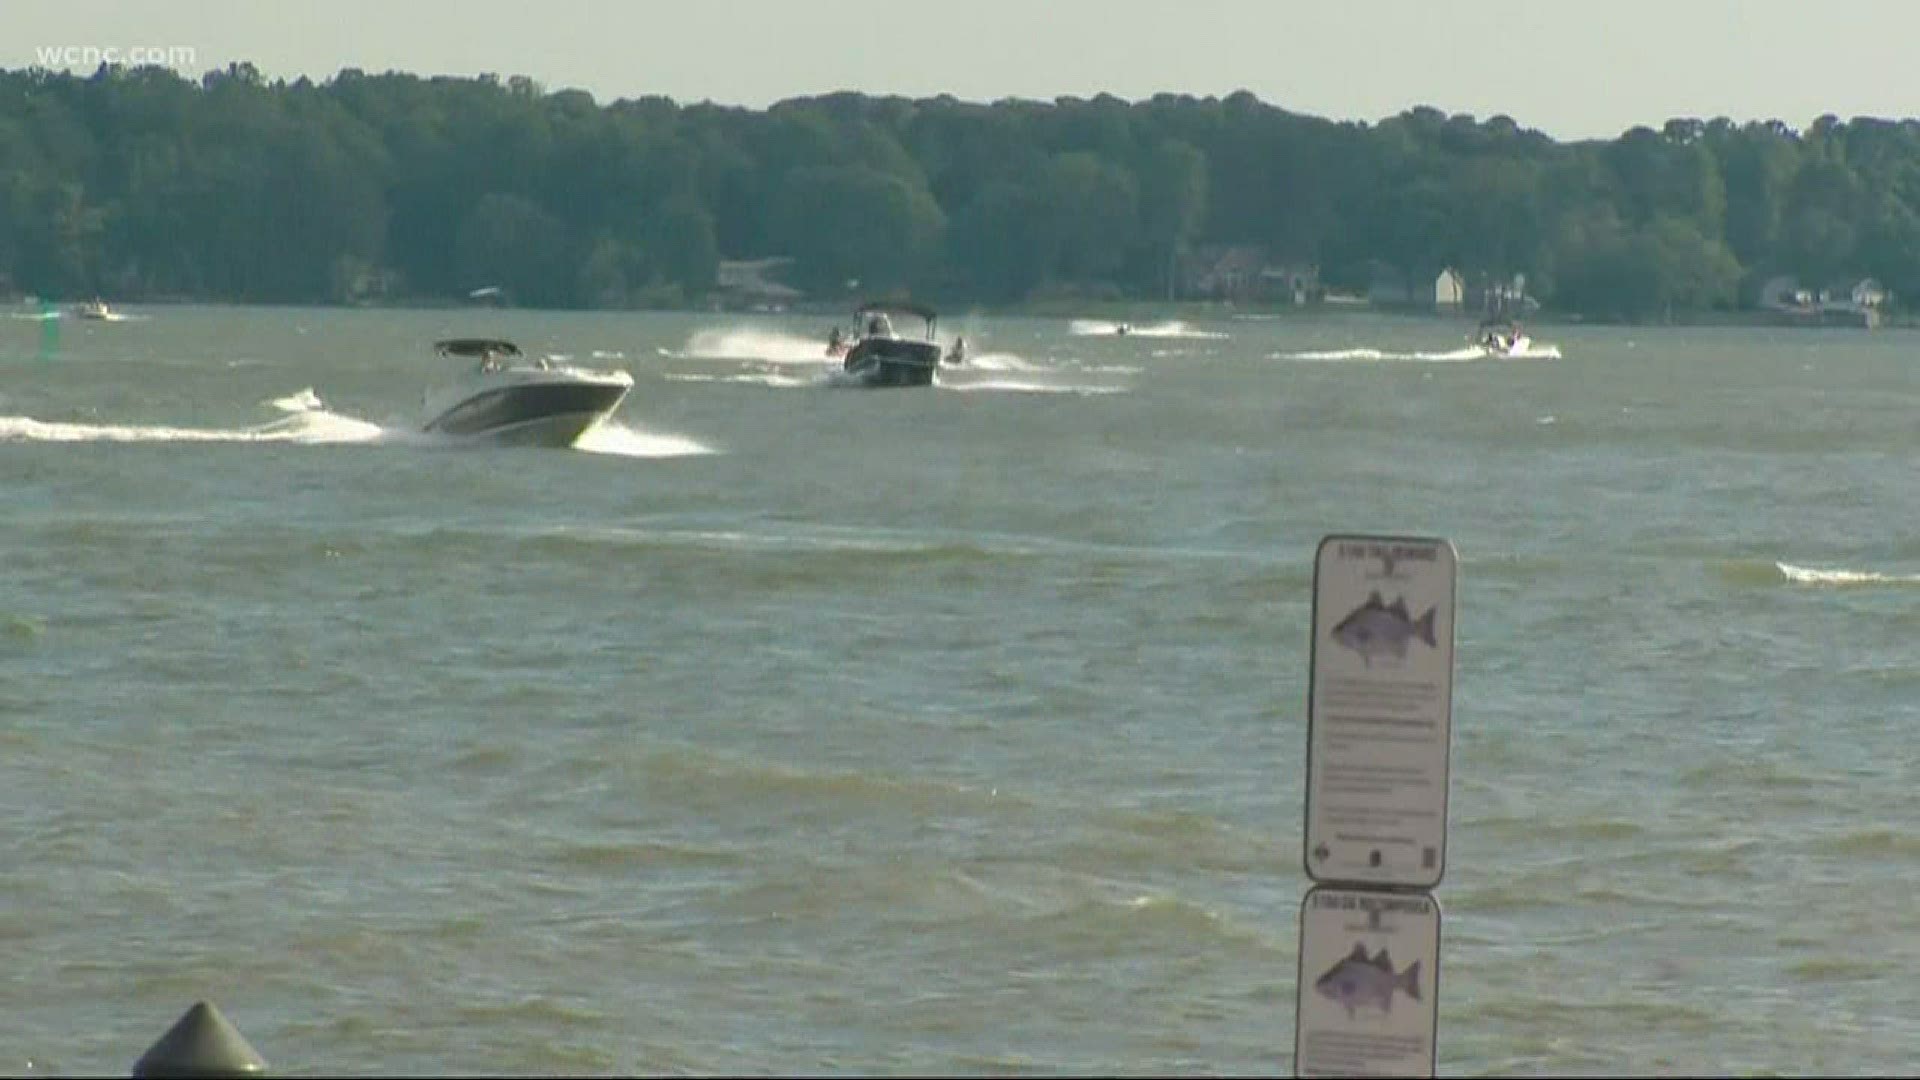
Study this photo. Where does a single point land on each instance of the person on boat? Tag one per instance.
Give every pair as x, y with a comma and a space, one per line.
834, 342
1492, 336
878, 325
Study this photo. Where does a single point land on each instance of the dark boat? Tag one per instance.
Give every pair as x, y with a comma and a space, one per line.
1502, 337
508, 399
880, 357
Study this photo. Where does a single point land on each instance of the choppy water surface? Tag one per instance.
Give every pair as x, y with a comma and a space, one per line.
796, 729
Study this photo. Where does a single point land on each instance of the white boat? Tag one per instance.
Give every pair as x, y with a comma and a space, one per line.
506, 398
97, 309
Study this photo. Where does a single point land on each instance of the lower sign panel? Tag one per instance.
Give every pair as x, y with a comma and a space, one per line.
1369, 983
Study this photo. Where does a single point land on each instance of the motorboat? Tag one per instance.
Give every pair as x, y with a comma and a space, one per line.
509, 399
879, 357
1502, 339
96, 309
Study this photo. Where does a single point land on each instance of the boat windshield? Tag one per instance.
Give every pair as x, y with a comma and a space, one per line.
874, 318
490, 352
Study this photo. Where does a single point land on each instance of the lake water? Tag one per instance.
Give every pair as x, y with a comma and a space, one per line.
789, 728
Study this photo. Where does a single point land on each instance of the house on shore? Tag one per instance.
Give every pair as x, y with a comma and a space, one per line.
1452, 291
1244, 274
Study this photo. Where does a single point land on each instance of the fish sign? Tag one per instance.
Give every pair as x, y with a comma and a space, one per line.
1380, 711
1384, 630
1369, 980
1360, 981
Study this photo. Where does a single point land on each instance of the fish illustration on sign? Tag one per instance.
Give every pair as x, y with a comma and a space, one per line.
1377, 628
1356, 981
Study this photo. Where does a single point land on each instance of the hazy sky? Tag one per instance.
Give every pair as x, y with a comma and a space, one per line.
1572, 68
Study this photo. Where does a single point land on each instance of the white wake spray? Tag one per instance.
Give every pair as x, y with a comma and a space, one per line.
1174, 328
1803, 575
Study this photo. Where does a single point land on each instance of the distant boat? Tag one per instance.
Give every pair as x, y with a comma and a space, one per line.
1502, 338
97, 309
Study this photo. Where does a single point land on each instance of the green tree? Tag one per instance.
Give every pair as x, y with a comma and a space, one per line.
139, 182
1758, 163
681, 246
1173, 202
1003, 241
1093, 209
509, 241
852, 223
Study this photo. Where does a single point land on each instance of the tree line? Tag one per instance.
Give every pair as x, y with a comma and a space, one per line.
141, 184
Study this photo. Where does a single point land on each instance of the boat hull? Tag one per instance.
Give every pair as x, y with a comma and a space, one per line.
892, 362
1497, 347
531, 414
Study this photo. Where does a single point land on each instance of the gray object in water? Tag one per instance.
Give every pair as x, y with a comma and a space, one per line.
201, 1044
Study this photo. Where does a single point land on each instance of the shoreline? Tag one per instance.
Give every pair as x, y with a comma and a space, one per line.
1116, 310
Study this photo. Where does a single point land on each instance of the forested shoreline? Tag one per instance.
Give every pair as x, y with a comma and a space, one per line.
141, 184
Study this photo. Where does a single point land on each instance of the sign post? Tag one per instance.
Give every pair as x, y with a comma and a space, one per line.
1379, 738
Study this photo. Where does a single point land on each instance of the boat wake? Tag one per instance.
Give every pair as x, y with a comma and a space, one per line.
620, 440
1531, 352
309, 422
1171, 329
1464, 354
1769, 573
753, 343
1012, 373
1804, 575
1018, 386
48, 316
777, 379
998, 361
